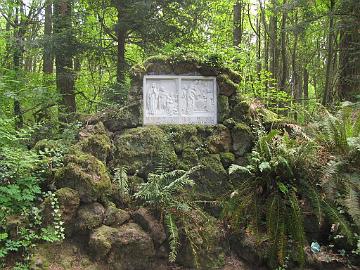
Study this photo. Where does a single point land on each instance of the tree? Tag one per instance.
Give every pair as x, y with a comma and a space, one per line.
64, 52
349, 81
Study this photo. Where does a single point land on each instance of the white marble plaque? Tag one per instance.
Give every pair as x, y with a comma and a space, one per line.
180, 100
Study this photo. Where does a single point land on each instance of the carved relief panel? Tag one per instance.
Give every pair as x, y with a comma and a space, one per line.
180, 100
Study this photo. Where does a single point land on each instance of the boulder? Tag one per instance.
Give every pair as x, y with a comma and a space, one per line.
227, 158
69, 202
115, 216
89, 216
125, 248
142, 149
226, 86
206, 240
211, 179
224, 108
242, 138
85, 174
147, 221
98, 145
118, 119
220, 141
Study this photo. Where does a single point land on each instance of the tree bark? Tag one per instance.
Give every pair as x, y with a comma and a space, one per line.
284, 67
17, 60
327, 96
306, 86
238, 31
274, 50
121, 39
48, 59
349, 58
65, 80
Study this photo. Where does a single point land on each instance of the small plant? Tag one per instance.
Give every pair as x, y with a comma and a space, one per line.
121, 179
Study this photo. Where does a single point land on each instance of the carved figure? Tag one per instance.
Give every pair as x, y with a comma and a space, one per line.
152, 99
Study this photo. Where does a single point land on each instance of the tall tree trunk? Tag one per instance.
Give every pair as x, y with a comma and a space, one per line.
64, 57
48, 59
121, 38
17, 61
274, 59
306, 86
349, 78
295, 75
327, 97
284, 67
238, 31
258, 44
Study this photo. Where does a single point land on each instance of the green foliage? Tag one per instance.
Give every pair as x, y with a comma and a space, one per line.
342, 131
278, 178
20, 218
121, 179
167, 192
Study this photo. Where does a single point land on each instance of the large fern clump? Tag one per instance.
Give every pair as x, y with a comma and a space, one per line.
271, 193
167, 192
340, 135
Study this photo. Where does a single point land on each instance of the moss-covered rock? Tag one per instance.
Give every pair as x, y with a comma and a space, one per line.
115, 216
47, 145
224, 108
85, 174
189, 159
65, 255
220, 140
206, 239
226, 86
211, 179
69, 202
118, 119
242, 139
89, 216
125, 248
150, 224
240, 109
227, 158
99, 145
142, 149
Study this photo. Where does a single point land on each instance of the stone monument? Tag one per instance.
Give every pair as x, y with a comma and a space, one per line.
173, 99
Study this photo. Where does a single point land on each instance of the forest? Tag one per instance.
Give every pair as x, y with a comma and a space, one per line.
274, 185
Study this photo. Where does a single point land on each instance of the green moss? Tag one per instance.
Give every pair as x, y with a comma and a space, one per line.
46, 145
143, 149
204, 231
240, 109
85, 174
226, 85
211, 180
99, 145
242, 138
189, 159
224, 109
220, 140
227, 158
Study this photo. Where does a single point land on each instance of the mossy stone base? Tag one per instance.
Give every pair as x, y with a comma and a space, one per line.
85, 174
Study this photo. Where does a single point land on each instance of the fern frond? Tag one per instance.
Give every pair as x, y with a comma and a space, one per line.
352, 203
336, 217
173, 236
313, 196
296, 227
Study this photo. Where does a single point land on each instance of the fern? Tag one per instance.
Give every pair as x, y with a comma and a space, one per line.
121, 179
173, 236
336, 217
